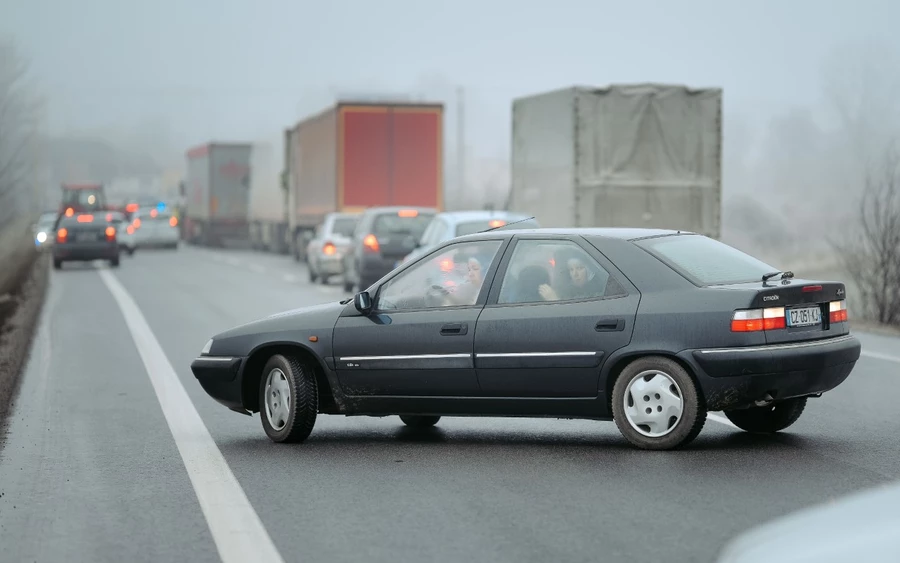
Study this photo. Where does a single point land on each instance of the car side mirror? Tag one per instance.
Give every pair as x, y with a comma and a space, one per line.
363, 302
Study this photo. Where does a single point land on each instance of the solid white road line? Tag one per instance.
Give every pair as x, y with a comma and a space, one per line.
237, 531
880, 356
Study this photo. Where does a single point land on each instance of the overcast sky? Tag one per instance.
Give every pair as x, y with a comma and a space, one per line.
236, 69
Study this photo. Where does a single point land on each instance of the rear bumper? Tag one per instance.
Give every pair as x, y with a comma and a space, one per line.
221, 378
736, 377
332, 265
86, 251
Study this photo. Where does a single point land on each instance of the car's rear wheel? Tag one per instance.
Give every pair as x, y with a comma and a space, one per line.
656, 404
288, 399
323, 279
57, 264
419, 421
114, 262
768, 419
312, 275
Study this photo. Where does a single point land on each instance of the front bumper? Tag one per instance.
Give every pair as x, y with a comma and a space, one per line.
86, 251
220, 377
737, 377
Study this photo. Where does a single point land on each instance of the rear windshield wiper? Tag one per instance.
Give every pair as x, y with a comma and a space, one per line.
784, 275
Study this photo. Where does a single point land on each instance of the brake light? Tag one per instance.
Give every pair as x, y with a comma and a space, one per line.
130, 229
109, 217
61, 235
173, 221
496, 223
329, 249
70, 212
137, 223
754, 320
85, 218
131, 207
110, 233
154, 212
837, 311
407, 213
370, 243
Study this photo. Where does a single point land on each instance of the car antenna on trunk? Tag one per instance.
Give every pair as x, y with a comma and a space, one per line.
506, 225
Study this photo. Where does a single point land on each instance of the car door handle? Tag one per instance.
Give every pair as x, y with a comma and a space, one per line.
457, 329
610, 325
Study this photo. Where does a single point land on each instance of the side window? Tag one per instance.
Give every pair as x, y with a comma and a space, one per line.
558, 270
452, 277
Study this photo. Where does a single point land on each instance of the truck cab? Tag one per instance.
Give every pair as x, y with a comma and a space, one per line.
82, 198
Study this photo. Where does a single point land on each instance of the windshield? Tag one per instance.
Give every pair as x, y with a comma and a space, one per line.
344, 226
706, 261
394, 224
471, 227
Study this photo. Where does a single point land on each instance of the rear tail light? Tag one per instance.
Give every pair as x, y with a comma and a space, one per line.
109, 217
61, 235
131, 207
70, 212
137, 223
837, 311
173, 221
370, 243
753, 320
130, 229
154, 212
329, 249
110, 233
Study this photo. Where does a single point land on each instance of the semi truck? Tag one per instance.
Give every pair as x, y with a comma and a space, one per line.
217, 186
630, 155
356, 155
268, 199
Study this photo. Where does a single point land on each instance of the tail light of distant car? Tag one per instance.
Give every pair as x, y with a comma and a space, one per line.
109, 217
753, 320
130, 229
838, 311
370, 244
131, 207
110, 233
69, 212
61, 235
173, 221
85, 218
408, 213
137, 223
154, 213
329, 249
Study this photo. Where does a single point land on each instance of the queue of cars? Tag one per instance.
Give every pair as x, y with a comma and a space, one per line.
648, 328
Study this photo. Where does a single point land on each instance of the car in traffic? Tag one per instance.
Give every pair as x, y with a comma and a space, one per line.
82, 198
124, 230
84, 237
325, 252
43, 230
649, 328
451, 224
155, 227
383, 236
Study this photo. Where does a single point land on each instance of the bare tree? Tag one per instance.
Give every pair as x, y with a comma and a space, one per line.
18, 129
871, 250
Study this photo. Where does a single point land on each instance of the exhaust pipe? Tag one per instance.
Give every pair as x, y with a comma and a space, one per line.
767, 399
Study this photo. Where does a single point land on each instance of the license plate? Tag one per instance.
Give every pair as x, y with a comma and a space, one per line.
86, 237
804, 316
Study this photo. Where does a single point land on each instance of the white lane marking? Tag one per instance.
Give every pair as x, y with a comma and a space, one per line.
237, 531
880, 356
720, 419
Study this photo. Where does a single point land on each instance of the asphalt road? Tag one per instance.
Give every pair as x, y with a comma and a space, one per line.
91, 470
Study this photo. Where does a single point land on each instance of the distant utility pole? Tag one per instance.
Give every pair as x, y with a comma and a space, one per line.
460, 142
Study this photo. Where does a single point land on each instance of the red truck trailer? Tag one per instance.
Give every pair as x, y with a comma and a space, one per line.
356, 155
217, 194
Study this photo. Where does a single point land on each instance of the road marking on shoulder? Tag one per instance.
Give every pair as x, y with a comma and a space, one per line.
720, 419
880, 356
236, 529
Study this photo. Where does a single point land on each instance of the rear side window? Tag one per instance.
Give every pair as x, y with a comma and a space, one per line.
706, 261
470, 227
387, 224
344, 226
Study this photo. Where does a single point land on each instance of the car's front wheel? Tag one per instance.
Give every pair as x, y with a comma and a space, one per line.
419, 421
768, 419
656, 405
288, 399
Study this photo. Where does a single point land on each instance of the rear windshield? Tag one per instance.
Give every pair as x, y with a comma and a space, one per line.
394, 224
344, 226
706, 261
470, 227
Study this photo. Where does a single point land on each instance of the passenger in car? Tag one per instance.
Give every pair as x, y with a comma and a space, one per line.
582, 282
467, 292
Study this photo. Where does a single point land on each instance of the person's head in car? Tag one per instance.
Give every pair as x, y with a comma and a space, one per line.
474, 273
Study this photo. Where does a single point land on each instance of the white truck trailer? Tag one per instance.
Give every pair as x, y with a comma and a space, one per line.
268, 199
633, 155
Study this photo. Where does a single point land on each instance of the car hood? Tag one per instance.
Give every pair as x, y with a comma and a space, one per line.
320, 317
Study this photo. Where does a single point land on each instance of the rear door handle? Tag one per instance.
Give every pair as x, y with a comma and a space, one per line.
456, 329
610, 325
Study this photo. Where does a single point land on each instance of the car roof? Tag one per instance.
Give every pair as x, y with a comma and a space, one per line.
622, 233
477, 215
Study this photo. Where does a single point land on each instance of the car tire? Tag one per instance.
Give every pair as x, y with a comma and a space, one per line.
114, 262
419, 421
667, 386
768, 419
312, 276
131, 251
290, 420
57, 264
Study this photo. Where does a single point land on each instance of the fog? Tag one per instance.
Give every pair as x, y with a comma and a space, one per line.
809, 87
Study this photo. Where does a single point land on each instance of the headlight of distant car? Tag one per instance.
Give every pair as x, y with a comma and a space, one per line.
41, 236
206, 348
